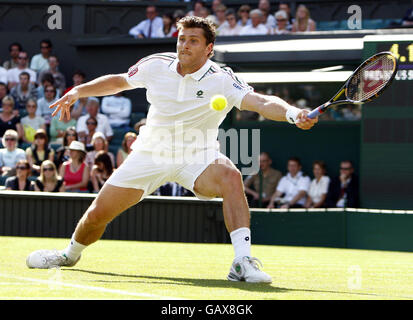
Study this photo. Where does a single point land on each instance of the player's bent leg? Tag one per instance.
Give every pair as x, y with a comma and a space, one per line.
223, 179
90, 227
103, 210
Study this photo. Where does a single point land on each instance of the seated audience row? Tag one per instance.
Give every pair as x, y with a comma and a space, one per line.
270, 189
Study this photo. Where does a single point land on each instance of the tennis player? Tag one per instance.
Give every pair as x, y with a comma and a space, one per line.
179, 87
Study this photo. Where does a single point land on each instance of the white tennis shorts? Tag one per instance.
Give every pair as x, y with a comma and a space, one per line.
148, 171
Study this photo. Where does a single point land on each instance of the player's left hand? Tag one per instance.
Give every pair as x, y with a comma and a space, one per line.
303, 122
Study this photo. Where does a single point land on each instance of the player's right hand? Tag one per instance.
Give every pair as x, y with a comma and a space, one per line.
64, 103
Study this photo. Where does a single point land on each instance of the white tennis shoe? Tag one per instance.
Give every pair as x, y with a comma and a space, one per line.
47, 259
246, 269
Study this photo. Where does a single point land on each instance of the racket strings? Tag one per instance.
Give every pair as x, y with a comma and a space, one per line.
371, 78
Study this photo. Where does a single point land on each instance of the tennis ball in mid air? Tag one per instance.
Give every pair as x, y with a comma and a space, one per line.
218, 102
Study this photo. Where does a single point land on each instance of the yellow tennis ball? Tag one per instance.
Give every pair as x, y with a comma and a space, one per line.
218, 102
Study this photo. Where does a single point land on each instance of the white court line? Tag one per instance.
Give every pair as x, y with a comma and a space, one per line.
92, 288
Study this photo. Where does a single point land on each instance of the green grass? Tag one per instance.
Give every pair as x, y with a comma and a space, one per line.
157, 270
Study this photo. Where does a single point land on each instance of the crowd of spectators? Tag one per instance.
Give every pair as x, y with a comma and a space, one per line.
246, 20
270, 189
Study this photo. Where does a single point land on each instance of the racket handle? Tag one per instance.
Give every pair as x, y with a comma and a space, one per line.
317, 111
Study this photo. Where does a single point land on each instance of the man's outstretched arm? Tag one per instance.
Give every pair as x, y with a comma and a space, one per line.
102, 86
275, 108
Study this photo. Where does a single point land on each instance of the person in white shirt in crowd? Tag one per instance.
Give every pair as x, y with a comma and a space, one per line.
10, 154
103, 125
219, 13
3, 75
231, 28
317, 192
40, 61
14, 73
256, 27
285, 6
43, 104
118, 109
168, 28
292, 189
268, 18
281, 20
59, 78
149, 27
244, 15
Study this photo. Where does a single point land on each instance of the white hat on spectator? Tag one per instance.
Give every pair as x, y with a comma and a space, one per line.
96, 135
78, 146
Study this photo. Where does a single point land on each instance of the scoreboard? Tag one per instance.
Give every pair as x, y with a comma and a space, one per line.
386, 154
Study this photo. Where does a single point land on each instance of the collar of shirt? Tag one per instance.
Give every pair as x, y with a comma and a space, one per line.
197, 75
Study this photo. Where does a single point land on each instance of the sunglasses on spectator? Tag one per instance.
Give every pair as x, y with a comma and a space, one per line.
342, 168
44, 47
49, 91
71, 135
48, 169
10, 139
91, 123
22, 168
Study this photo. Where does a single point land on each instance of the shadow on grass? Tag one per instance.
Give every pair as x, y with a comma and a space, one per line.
213, 283
208, 283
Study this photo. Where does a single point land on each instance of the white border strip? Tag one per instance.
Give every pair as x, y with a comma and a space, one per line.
91, 288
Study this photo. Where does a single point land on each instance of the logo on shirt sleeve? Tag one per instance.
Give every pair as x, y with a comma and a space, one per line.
132, 70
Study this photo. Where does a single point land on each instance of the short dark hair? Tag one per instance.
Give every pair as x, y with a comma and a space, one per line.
321, 164
47, 41
80, 73
230, 12
296, 159
202, 23
24, 73
15, 44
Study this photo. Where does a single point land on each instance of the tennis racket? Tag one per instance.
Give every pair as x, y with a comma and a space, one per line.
366, 83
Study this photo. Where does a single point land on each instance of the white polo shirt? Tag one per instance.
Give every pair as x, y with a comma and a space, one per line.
179, 116
290, 186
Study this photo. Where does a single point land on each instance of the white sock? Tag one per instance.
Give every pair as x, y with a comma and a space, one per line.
74, 249
241, 241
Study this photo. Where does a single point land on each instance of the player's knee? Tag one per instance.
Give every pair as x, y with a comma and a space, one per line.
94, 218
231, 180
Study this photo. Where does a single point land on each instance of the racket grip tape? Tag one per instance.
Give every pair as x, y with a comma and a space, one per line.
316, 112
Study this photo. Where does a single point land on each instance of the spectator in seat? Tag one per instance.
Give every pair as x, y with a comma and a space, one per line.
147, 28
197, 9
231, 28
63, 153
49, 180
168, 28
3, 75
101, 170
268, 19
285, 6
303, 21
292, 189
118, 110
125, 148
103, 125
39, 151
99, 143
22, 92
281, 21
91, 124
31, 122
317, 192
59, 78
58, 128
9, 119
263, 184
20, 182
14, 50
78, 77
343, 190
40, 61
75, 171
46, 79
3, 92
43, 104
256, 27
14, 73
10, 154
244, 15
